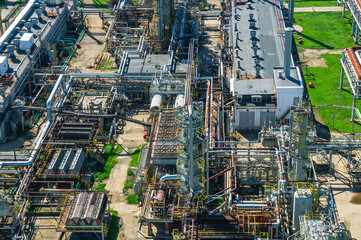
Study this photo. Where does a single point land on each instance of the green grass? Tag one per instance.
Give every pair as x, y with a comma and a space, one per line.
312, 3
326, 92
132, 199
100, 187
114, 225
135, 159
129, 183
103, 171
331, 31
108, 65
101, 4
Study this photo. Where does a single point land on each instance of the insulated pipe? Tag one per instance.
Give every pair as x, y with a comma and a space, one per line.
75, 5
171, 177
355, 62
49, 102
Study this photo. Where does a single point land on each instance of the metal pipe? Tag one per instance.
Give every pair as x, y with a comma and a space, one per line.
171, 177
49, 102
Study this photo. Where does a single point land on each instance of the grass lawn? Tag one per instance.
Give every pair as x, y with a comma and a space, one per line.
132, 199
326, 92
312, 3
103, 171
331, 31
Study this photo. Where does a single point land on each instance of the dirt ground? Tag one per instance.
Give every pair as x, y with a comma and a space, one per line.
313, 57
132, 138
318, 9
90, 49
341, 186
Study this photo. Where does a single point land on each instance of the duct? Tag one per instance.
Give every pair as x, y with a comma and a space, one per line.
11, 31
288, 53
251, 205
171, 177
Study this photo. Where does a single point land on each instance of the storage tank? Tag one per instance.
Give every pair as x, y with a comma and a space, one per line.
160, 197
179, 101
156, 103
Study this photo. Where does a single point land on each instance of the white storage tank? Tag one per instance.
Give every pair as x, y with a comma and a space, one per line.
3, 64
156, 103
26, 41
179, 101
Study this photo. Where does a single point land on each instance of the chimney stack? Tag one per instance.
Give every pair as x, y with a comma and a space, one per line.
288, 53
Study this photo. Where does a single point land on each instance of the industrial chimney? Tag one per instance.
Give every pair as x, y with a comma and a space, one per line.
288, 53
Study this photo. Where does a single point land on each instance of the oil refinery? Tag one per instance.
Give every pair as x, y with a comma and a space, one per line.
230, 147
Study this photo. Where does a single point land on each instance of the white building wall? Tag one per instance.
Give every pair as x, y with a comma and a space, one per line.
3, 64
253, 119
287, 97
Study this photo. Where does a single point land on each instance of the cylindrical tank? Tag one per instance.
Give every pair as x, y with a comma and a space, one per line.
11, 49
39, 11
156, 103
23, 31
17, 42
160, 197
43, 6
28, 25
179, 101
34, 20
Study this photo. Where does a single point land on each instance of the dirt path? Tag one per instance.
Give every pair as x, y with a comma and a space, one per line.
90, 49
132, 138
313, 57
318, 9
343, 195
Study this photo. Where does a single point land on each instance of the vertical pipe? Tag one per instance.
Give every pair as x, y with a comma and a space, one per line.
342, 73
288, 54
353, 113
75, 5
344, 10
356, 34
330, 161
190, 150
333, 120
291, 8
353, 27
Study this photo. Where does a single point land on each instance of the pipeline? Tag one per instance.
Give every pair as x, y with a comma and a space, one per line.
42, 134
171, 177
355, 62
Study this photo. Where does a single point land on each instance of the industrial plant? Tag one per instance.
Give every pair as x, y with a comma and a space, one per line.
230, 148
